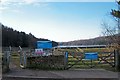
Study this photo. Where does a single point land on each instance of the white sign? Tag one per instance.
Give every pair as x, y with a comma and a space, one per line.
39, 51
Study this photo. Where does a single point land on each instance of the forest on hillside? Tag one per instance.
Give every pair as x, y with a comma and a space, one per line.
14, 38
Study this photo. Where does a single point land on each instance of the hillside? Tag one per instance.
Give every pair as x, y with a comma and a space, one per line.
14, 38
95, 41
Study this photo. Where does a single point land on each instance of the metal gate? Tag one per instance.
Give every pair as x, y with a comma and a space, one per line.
6, 55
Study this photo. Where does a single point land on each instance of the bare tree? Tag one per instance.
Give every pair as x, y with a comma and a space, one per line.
112, 33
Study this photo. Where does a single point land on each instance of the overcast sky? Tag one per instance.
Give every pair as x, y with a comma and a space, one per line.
58, 20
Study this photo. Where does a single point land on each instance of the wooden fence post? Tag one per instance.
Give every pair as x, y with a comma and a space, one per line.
21, 57
8, 58
25, 60
117, 60
118, 51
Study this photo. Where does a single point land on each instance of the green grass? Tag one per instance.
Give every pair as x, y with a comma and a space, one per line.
99, 50
15, 59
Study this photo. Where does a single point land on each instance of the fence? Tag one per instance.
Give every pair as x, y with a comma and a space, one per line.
39, 61
29, 59
60, 59
104, 60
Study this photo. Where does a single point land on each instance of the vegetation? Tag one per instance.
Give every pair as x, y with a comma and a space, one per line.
46, 62
14, 38
114, 32
116, 15
95, 41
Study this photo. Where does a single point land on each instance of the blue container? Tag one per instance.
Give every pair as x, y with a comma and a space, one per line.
44, 44
91, 56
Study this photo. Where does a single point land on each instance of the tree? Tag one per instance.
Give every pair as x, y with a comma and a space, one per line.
116, 14
113, 34
14, 38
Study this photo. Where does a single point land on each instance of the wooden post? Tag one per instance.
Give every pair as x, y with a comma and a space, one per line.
118, 51
7, 59
91, 63
25, 60
117, 60
10, 53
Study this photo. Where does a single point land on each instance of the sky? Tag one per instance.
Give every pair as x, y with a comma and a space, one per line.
57, 20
